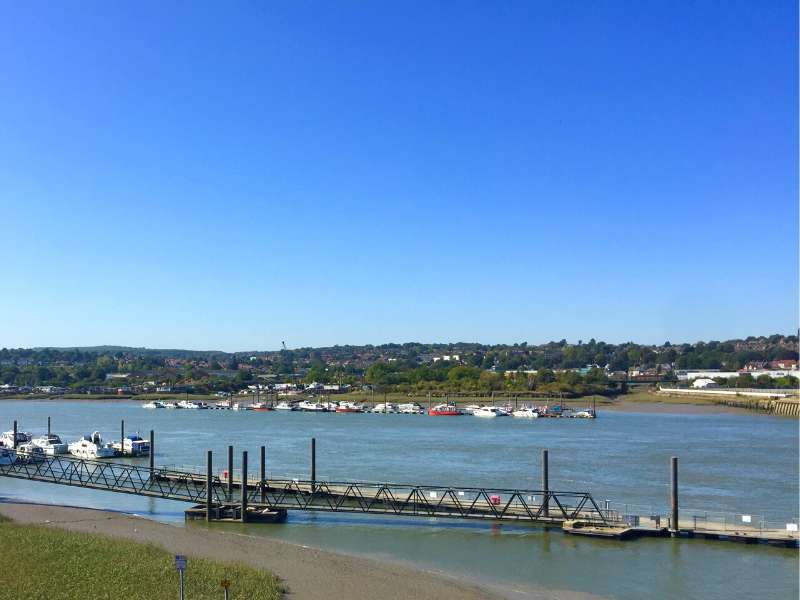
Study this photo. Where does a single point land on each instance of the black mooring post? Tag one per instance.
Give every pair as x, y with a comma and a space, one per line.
152, 452
262, 474
313, 465
122, 438
48, 427
209, 485
244, 486
14, 442
545, 485
230, 474
674, 524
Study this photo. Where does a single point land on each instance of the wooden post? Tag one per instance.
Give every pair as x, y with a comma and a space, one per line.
14, 442
313, 465
545, 484
122, 438
244, 486
262, 475
152, 453
230, 474
674, 523
48, 427
209, 485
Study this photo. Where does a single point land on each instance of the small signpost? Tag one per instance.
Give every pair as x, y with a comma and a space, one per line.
225, 583
180, 565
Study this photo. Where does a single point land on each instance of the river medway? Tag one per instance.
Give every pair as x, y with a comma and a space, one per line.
734, 463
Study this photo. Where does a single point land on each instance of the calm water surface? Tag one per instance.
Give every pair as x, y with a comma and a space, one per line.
737, 463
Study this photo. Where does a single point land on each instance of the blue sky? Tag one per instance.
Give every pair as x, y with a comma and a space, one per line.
227, 177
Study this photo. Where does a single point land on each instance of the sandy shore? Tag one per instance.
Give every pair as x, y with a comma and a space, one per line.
670, 406
306, 573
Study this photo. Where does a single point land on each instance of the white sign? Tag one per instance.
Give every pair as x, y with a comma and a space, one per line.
433, 494
460, 493
180, 562
746, 519
791, 527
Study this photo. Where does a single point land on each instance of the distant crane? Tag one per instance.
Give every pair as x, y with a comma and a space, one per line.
284, 345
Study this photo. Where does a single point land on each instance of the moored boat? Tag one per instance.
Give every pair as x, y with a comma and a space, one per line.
134, 445
308, 406
7, 439
445, 410
490, 412
154, 404
51, 444
411, 408
526, 412
385, 407
284, 405
92, 446
30, 453
349, 407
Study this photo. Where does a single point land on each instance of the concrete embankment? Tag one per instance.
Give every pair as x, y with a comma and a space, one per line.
784, 403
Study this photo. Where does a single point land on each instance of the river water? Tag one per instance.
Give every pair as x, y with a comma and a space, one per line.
731, 463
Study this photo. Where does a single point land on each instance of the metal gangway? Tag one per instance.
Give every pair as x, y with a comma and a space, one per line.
543, 507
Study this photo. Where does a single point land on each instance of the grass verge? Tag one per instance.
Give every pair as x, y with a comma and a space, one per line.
58, 564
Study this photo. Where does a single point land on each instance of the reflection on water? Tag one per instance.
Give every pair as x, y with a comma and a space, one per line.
736, 463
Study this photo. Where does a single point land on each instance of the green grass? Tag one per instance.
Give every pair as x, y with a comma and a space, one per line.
43, 562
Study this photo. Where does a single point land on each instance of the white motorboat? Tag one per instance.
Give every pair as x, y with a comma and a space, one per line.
224, 405
7, 439
526, 412
411, 408
386, 407
284, 405
30, 453
238, 406
490, 412
191, 404
154, 404
349, 407
584, 414
51, 444
8, 456
92, 446
308, 406
471, 408
134, 445
171, 405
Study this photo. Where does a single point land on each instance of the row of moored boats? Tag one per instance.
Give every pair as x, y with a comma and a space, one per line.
36, 449
409, 408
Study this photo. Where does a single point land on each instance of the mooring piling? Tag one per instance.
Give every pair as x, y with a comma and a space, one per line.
122, 437
14, 442
313, 465
262, 474
545, 484
674, 524
229, 490
244, 486
152, 452
209, 484
48, 427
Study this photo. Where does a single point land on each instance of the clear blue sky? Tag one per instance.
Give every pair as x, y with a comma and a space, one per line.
229, 176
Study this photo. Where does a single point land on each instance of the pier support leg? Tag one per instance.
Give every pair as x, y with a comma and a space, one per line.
262, 474
14, 442
209, 485
152, 453
545, 484
244, 486
313, 465
673, 522
229, 488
